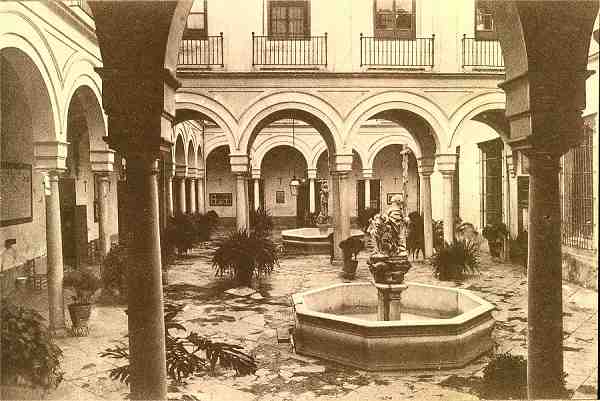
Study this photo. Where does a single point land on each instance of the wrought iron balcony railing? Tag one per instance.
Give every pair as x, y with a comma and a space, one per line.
481, 53
396, 52
289, 50
201, 52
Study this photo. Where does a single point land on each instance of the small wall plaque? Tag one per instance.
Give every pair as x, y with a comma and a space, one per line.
279, 197
220, 199
390, 195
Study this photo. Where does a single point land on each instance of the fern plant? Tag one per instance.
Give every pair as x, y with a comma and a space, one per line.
243, 255
187, 355
261, 221
454, 262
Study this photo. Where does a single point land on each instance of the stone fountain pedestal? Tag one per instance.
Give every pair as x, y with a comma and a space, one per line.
388, 277
389, 300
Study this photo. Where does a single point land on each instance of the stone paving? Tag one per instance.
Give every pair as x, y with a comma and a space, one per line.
251, 317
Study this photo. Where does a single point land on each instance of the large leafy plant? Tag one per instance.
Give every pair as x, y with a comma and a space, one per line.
351, 246
189, 354
455, 261
261, 221
28, 352
114, 269
84, 282
243, 255
365, 216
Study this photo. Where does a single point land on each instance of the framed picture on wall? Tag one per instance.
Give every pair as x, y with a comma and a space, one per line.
390, 195
279, 197
220, 199
16, 189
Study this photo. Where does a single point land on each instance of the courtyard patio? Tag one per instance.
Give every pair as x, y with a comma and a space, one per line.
251, 317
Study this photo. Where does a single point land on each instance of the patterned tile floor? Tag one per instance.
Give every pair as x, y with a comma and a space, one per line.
251, 318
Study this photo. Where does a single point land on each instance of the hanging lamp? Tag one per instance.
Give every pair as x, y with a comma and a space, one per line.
295, 182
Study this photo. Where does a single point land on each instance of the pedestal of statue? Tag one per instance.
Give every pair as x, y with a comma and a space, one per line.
389, 301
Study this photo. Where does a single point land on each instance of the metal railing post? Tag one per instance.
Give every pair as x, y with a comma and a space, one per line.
326, 47
253, 49
432, 50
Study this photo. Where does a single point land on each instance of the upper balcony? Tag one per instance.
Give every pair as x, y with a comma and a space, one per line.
289, 51
414, 53
482, 54
202, 52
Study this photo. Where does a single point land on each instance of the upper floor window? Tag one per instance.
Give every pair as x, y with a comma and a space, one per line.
196, 21
394, 18
484, 20
290, 18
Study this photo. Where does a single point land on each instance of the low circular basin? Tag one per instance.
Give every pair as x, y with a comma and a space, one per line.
311, 239
440, 327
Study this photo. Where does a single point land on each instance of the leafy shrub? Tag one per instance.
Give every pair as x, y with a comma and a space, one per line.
114, 269
261, 221
456, 261
495, 234
365, 216
243, 255
351, 246
505, 377
187, 355
204, 225
180, 233
437, 228
519, 248
28, 351
85, 284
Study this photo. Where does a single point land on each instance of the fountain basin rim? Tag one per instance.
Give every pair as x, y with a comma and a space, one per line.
484, 307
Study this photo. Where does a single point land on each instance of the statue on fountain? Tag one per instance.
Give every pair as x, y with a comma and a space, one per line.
323, 217
389, 261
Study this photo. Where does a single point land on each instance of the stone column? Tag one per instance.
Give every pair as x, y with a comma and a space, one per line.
312, 175
240, 167
425, 168
256, 191
102, 165
513, 207
104, 236
181, 203
241, 202
54, 256
192, 192
145, 304
200, 193
544, 274
367, 175
169, 189
341, 201
447, 165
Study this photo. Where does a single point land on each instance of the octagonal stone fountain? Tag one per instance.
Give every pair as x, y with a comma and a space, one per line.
437, 327
311, 239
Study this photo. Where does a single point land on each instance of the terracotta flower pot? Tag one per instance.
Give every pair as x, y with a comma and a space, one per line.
349, 268
80, 316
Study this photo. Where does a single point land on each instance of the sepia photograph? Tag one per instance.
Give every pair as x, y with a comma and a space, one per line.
299, 200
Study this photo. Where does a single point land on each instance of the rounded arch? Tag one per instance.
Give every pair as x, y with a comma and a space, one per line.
214, 143
176, 27
362, 156
316, 153
281, 145
180, 154
191, 154
410, 102
189, 105
93, 114
304, 106
280, 140
474, 106
19, 33
383, 142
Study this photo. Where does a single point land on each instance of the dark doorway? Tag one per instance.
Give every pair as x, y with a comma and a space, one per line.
302, 205
73, 220
491, 181
375, 201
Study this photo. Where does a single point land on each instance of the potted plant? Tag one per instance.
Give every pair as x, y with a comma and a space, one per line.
113, 272
454, 262
30, 358
85, 284
322, 223
351, 246
243, 255
261, 221
495, 234
365, 216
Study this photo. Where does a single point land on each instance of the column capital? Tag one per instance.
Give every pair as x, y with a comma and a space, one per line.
51, 155
181, 170
200, 173
446, 163
367, 173
170, 169
240, 163
425, 165
102, 161
192, 173
343, 162
311, 173
256, 173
